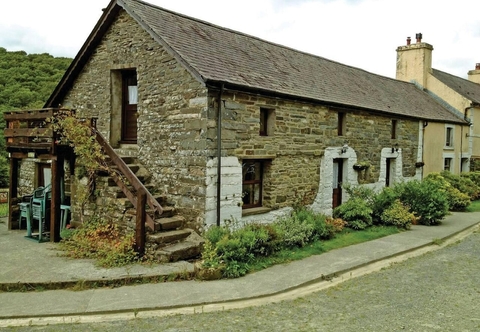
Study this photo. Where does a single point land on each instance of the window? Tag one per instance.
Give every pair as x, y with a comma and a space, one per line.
394, 128
252, 183
267, 121
341, 123
449, 137
447, 164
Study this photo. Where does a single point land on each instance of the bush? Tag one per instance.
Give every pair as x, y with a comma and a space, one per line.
294, 232
215, 234
321, 230
463, 183
427, 200
457, 201
355, 212
397, 215
362, 192
383, 201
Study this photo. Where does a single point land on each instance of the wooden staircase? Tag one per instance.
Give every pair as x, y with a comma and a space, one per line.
168, 241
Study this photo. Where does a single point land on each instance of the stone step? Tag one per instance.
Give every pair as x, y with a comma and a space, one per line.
188, 249
170, 223
126, 159
169, 237
168, 211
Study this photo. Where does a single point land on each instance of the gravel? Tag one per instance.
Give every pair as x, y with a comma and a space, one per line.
439, 291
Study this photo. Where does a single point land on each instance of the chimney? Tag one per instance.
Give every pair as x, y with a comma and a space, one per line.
474, 75
414, 61
419, 37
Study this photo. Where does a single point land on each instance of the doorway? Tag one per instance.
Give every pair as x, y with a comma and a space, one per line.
337, 182
390, 171
129, 106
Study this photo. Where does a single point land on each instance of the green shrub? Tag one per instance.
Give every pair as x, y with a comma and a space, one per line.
427, 200
362, 192
463, 183
457, 200
215, 234
383, 201
355, 212
397, 215
321, 230
294, 232
474, 177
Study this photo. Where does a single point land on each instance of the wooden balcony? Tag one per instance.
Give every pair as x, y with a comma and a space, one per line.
29, 133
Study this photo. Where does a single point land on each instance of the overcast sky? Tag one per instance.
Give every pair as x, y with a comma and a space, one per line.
359, 33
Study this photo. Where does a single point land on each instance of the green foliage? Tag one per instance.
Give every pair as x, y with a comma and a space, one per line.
397, 215
99, 240
26, 82
318, 222
355, 212
463, 183
215, 234
294, 231
457, 200
427, 200
210, 257
383, 201
362, 192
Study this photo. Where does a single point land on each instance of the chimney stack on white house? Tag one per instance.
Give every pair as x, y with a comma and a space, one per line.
414, 61
474, 75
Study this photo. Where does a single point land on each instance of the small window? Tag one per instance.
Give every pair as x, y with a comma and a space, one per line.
447, 164
267, 121
449, 137
394, 128
341, 123
252, 183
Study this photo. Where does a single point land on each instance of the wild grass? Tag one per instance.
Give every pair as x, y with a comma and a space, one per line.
3, 210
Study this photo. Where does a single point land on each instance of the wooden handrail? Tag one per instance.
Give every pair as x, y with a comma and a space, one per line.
131, 177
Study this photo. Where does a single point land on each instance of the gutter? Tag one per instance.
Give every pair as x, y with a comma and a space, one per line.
219, 152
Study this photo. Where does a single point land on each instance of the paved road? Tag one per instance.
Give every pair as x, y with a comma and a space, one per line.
439, 291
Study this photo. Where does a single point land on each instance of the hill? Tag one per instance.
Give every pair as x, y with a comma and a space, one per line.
26, 82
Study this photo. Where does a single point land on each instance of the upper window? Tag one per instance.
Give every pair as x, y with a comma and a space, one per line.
394, 129
267, 121
252, 183
449, 136
341, 124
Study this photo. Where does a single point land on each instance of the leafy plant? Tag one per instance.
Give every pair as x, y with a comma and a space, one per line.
383, 201
398, 215
426, 199
355, 212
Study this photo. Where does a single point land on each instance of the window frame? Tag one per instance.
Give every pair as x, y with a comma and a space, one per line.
253, 183
447, 164
394, 129
267, 121
341, 123
449, 134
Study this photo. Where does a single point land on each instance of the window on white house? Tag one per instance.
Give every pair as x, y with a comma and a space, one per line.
449, 137
447, 164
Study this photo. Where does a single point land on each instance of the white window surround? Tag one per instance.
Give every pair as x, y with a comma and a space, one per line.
450, 156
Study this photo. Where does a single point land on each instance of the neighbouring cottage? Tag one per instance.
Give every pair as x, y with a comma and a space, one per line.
458, 146
231, 126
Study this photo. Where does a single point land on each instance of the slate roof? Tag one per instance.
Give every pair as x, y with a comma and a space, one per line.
466, 88
218, 55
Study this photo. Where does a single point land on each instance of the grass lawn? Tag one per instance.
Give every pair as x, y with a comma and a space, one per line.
344, 239
474, 206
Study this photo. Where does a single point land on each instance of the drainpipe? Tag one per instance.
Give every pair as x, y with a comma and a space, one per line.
465, 117
219, 153
425, 124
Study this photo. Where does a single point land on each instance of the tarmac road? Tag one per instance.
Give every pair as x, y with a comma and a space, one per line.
438, 291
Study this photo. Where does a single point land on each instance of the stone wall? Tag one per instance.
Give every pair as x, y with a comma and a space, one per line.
171, 111
296, 149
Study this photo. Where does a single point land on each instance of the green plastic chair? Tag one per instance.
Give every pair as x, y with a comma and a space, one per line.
41, 199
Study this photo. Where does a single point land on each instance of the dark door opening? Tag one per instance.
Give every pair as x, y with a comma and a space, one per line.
337, 182
129, 106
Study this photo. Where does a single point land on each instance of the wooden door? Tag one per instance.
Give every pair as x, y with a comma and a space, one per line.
129, 106
337, 182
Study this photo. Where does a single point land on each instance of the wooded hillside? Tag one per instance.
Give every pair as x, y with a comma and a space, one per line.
26, 82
